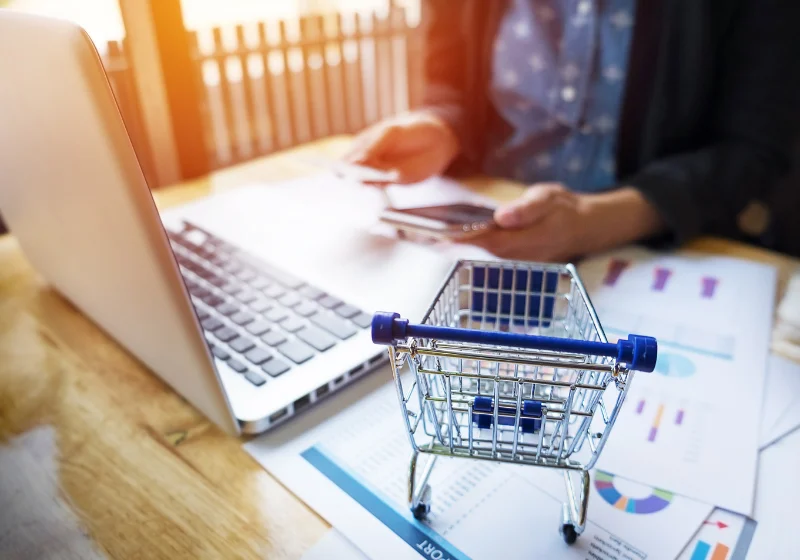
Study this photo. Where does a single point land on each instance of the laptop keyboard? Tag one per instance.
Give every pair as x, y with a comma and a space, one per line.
258, 319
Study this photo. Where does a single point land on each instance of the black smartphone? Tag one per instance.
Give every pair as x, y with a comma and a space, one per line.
452, 221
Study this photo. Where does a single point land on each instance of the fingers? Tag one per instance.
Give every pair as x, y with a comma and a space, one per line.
416, 168
369, 147
537, 201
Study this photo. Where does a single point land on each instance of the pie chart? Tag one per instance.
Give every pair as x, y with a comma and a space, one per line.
674, 365
656, 501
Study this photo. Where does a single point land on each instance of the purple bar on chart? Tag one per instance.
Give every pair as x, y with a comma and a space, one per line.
615, 269
661, 275
656, 423
709, 286
679, 417
640, 407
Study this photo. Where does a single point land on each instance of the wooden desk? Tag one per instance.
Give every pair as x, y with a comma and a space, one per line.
98, 456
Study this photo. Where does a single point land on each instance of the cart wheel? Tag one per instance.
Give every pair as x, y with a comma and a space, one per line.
568, 533
421, 511
423, 508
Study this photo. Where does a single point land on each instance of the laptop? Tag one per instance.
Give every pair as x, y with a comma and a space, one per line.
247, 309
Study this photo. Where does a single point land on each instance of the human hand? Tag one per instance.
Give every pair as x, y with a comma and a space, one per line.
414, 147
551, 223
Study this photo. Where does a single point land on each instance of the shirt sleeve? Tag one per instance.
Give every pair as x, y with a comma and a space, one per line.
752, 128
444, 65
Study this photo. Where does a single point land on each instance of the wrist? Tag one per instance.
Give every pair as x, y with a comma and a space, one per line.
616, 218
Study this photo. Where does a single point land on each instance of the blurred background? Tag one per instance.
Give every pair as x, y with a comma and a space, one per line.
204, 84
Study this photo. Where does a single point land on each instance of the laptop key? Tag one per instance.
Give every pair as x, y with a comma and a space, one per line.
231, 288
296, 351
275, 367
241, 318
347, 311
274, 291
334, 325
213, 300
305, 309
257, 356
260, 305
256, 380
211, 324
246, 296
317, 338
330, 302
241, 344
227, 308
204, 273
218, 260
199, 292
363, 320
289, 299
226, 334
311, 292
273, 338
237, 366
258, 328
246, 274
292, 324
258, 283
220, 352
276, 314
201, 313
232, 267
217, 281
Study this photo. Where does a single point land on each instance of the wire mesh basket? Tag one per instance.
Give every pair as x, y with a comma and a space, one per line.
510, 364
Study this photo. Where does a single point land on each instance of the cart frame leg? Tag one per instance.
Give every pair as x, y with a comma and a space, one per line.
419, 492
573, 512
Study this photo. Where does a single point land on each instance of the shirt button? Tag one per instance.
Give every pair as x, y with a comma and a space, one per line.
568, 94
584, 7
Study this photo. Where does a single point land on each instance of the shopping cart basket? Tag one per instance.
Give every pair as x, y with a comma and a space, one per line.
510, 364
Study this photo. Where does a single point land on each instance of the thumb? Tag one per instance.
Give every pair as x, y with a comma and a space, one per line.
528, 209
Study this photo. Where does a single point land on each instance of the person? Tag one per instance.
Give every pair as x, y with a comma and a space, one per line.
631, 121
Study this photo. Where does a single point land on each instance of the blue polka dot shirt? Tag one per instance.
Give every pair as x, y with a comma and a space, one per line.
558, 77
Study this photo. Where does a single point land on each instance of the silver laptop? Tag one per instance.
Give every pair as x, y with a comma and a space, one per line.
245, 309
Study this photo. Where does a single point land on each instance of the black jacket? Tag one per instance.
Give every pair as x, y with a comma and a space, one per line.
710, 115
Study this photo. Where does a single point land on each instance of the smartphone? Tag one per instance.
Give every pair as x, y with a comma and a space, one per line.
451, 221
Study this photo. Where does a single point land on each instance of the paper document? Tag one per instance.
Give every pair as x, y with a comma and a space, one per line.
351, 467
723, 536
781, 412
698, 415
776, 501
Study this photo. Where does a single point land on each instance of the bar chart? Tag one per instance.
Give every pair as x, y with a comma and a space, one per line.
660, 415
705, 551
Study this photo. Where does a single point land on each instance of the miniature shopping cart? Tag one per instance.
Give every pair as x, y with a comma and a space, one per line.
510, 364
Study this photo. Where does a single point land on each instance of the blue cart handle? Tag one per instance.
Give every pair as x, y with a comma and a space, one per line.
638, 352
